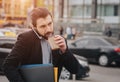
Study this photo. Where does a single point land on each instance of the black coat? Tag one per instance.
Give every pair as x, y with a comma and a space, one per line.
27, 50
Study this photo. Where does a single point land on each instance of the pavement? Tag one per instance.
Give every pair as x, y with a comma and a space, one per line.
68, 81
4, 79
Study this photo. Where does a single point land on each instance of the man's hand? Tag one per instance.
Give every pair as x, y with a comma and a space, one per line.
60, 41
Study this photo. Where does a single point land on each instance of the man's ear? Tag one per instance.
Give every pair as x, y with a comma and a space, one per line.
32, 26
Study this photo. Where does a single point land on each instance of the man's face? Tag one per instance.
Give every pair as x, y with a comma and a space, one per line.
44, 26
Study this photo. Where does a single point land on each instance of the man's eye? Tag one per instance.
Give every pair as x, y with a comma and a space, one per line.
43, 26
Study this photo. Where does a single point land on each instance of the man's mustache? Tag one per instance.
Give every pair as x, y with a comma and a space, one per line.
48, 34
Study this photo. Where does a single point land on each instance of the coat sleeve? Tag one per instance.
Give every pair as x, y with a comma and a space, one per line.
70, 62
67, 60
13, 60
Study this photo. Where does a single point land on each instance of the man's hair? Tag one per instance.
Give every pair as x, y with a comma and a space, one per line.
37, 13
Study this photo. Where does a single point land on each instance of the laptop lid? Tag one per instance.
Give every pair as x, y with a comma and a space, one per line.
37, 72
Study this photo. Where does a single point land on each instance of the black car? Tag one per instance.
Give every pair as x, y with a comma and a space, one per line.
65, 74
6, 44
97, 49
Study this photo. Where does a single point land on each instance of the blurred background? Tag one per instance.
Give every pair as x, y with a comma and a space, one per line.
84, 15
72, 19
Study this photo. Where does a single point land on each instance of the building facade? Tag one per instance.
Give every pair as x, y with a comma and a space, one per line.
16, 10
107, 10
76, 11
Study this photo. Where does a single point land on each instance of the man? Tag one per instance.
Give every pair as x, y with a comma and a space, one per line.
61, 30
31, 47
69, 32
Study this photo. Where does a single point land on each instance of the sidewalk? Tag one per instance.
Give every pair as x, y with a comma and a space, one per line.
69, 81
4, 79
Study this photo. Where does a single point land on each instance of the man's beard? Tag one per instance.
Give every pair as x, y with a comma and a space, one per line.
47, 35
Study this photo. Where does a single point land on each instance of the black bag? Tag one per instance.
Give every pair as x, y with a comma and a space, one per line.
37, 72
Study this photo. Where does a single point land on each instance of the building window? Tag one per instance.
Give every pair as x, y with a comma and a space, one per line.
100, 10
115, 10
79, 10
76, 10
87, 10
108, 10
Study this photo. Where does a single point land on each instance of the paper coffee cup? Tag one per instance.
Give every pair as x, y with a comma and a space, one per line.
52, 43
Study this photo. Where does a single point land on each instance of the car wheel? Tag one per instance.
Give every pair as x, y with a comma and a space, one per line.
103, 60
65, 74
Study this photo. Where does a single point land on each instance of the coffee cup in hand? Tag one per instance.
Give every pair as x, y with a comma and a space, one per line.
52, 43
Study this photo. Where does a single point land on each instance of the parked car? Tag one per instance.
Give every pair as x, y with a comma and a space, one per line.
6, 44
98, 49
7, 32
65, 74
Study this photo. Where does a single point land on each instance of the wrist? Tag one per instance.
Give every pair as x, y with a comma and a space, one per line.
63, 51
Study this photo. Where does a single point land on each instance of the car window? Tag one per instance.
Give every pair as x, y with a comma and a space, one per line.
98, 42
7, 44
82, 42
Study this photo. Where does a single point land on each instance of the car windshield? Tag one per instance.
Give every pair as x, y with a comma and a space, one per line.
98, 42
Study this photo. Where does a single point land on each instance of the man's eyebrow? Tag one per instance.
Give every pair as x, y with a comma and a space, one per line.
42, 25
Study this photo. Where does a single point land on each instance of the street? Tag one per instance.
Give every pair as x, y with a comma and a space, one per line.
97, 74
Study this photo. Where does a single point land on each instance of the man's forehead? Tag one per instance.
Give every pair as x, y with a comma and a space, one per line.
45, 20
